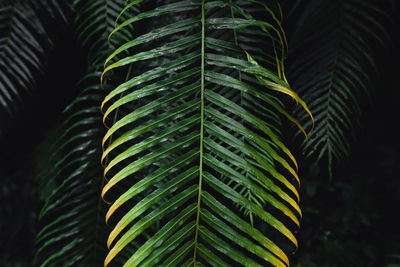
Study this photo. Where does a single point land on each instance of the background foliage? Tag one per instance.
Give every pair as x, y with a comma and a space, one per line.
347, 204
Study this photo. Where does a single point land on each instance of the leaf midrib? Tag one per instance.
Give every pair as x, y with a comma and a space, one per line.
201, 133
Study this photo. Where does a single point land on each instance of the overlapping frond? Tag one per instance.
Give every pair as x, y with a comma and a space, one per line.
21, 54
71, 225
332, 68
24, 44
72, 229
57, 10
93, 22
194, 137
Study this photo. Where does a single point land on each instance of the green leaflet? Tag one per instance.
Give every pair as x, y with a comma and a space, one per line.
188, 137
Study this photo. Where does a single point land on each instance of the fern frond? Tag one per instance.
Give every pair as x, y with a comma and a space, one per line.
194, 119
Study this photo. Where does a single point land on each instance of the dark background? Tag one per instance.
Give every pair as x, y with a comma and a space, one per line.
350, 218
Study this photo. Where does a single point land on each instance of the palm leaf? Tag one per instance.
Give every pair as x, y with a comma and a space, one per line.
21, 55
72, 188
332, 67
59, 11
93, 22
72, 230
24, 42
195, 123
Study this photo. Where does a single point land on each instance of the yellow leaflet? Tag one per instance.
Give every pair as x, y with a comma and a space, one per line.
280, 26
278, 67
304, 105
289, 92
283, 73
279, 22
285, 90
280, 11
277, 87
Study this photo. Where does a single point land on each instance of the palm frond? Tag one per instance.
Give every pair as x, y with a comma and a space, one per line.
59, 11
193, 129
72, 230
21, 55
93, 22
71, 225
332, 69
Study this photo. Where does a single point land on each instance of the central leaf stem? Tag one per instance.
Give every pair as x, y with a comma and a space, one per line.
201, 133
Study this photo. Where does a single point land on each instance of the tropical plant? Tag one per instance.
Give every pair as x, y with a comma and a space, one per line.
187, 105
188, 147
334, 70
21, 54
